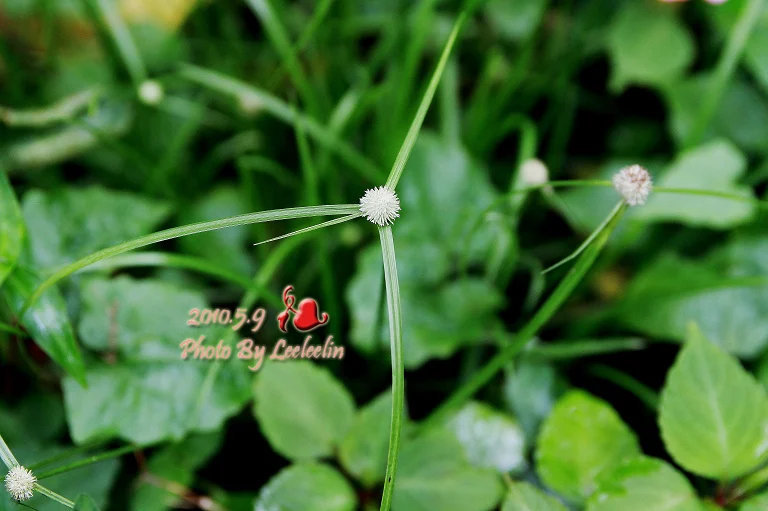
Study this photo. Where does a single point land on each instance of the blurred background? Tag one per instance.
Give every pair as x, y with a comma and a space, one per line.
119, 118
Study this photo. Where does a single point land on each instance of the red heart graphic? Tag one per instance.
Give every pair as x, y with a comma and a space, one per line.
307, 317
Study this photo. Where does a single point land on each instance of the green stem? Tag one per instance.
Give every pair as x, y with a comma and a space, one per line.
542, 316
69, 453
6, 455
279, 38
284, 112
398, 369
421, 113
176, 232
623, 380
164, 260
571, 349
737, 40
122, 39
54, 496
89, 461
11, 330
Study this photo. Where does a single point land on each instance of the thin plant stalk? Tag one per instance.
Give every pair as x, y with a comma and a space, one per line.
729, 59
283, 111
279, 38
126, 47
54, 496
398, 368
169, 260
589, 240
322, 225
648, 396
6, 455
529, 330
115, 453
426, 100
176, 232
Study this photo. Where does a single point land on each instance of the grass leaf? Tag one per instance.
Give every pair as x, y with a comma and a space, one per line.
398, 369
186, 230
426, 100
284, 112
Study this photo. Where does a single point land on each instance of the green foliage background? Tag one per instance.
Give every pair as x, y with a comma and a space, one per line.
645, 391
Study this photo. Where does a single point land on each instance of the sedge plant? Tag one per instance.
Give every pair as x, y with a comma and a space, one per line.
379, 205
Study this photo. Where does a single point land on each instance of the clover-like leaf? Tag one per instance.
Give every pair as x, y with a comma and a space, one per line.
580, 439
713, 413
491, 439
434, 475
648, 45
302, 409
363, 452
644, 483
526, 497
307, 487
144, 392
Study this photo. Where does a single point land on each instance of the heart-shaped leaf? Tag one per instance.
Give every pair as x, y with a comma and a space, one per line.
713, 414
582, 437
302, 409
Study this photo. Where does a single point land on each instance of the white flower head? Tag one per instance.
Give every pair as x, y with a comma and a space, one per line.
533, 172
20, 483
151, 92
380, 205
634, 184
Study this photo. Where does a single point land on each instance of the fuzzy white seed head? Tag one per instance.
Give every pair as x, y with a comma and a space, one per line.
20, 483
380, 205
634, 184
151, 92
533, 172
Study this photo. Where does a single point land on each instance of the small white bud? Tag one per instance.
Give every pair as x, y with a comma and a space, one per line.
20, 483
634, 184
151, 92
533, 172
380, 205
250, 104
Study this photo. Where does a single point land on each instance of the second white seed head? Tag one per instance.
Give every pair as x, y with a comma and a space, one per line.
380, 205
634, 183
20, 483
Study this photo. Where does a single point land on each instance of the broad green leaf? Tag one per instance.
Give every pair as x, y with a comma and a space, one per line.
307, 487
713, 414
47, 321
526, 497
515, 20
85, 503
530, 390
304, 412
434, 475
648, 45
717, 166
491, 439
68, 223
224, 246
363, 452
732, 311
758, 503
741, 117
643, 483
11, 228
580, 439
149, 393
176, 463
